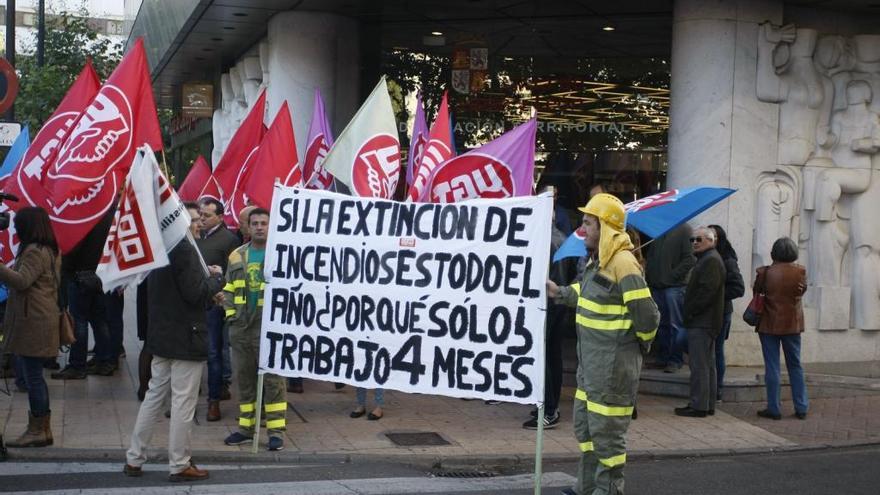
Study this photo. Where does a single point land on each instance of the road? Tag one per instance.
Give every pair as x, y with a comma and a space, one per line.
843, 471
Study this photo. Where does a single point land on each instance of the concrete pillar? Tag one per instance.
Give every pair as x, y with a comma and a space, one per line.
720, 133
309, 50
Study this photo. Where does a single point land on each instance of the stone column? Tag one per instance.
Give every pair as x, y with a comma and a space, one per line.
309, 50
720, 134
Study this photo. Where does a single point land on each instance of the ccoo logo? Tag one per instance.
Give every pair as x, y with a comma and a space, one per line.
471, 176
376, 167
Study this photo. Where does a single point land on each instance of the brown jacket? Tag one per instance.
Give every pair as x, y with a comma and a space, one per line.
783, 285
31, 324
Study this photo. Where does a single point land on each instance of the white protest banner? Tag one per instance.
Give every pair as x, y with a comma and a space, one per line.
443, 299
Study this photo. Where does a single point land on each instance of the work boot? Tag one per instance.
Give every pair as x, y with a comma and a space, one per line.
37, 434
213, 410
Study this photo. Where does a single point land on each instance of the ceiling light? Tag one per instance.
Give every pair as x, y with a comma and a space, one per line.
607, 28
436, 33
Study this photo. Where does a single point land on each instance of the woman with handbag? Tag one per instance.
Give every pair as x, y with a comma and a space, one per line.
781, 324
31, 324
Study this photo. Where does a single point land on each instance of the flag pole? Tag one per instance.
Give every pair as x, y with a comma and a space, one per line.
165, 167
539, 438
257, 413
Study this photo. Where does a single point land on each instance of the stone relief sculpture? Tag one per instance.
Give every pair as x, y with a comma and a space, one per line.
825, 186
253, 76
221, 125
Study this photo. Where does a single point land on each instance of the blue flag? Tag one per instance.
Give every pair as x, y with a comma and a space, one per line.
16, 152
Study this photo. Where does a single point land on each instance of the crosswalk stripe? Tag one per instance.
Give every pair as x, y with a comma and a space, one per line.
37, 468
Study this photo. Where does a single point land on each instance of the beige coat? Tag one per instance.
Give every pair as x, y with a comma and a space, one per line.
31, 324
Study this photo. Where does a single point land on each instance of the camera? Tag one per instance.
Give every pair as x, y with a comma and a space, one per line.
4, 215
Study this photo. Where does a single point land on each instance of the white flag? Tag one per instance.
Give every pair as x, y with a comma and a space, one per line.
149, 222
366, 156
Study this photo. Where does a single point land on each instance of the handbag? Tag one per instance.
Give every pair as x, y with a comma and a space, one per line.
66, 336
752, 314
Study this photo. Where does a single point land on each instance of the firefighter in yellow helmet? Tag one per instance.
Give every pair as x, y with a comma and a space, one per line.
616, 321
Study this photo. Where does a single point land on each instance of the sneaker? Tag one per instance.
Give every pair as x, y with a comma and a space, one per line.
276, 443
238, 438
550, 422
69, 373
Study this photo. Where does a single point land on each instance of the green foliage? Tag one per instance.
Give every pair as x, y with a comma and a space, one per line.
70, 41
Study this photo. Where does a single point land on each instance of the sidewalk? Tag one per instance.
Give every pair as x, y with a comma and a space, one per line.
94, 418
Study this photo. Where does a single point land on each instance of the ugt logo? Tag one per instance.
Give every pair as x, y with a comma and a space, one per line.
649, 202
315, 155
86, 161
471, 176
377, 167
30, 175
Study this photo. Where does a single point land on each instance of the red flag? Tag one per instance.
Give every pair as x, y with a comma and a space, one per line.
91, 165
240, 152
195, 180
439, 149
211, 190
276, 159
26, 180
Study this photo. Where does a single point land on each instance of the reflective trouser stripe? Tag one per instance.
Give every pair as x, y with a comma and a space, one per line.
259, 302
278, 406
646, 335
247, 407
230, 312
246, 422
615, 461
229, 287
632, 295
239, 300
604, 410
276, 424
586, 446
580, 395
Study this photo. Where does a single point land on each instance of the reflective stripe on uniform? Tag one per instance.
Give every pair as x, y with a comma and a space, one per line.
239, 300
276, 406
576, 287
580, 394
246, 422
632, 295
595, 324
230, 312
262, 285
275, 424
246, 408
602, 309
586, 446
228, 287
615, 461
604, 410
239, 284
646, 335
259, 302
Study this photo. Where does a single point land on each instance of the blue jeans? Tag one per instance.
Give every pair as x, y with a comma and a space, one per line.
38, 392
671, 335
361, 394
114, 304
19, 372
791, 347
720, 365
216, 343
87, 306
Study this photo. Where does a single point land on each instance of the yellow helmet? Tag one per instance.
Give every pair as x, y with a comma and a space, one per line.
608, 209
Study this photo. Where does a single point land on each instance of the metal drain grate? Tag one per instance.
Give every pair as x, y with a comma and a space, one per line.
416, 439
464, 474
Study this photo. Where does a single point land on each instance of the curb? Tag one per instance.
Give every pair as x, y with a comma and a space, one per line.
431, 461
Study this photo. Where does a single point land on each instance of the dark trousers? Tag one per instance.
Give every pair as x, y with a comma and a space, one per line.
87, 306
720, 362
114, 303
701, 349
553, 361
671, 334
38, 392
216, 343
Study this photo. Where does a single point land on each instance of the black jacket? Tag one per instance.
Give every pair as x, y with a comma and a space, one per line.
217, 247
178, 296
670, 259
734, 287
704, 296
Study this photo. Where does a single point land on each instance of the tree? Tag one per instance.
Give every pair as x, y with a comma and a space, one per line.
70, 41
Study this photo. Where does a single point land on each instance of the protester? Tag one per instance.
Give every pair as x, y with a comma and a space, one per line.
216, 244
88, 307
734, 288
195, 219
560, 321
145, 359
782, 323
243, 301
178, 295
616, 322
702, 317
669, 264
243, 233
361, 409
30, 325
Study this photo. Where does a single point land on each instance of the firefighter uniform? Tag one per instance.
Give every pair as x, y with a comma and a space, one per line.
616, 321
244, 341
